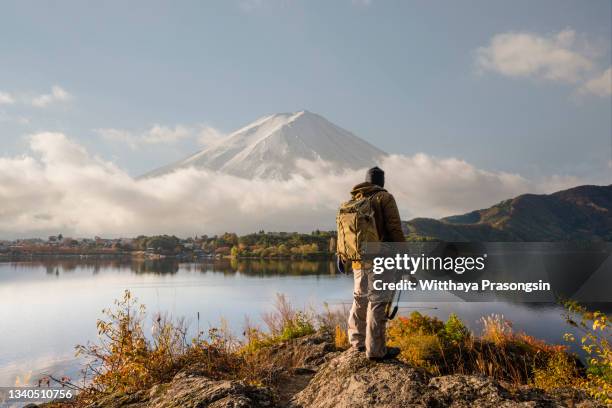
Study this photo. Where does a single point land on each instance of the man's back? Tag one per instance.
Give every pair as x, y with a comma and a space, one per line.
388, 222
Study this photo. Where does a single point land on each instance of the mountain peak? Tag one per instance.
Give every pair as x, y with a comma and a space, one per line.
271, 146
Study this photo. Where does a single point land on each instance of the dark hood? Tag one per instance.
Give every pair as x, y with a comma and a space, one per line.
365, 189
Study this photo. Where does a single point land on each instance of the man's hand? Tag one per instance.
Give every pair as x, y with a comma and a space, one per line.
340, 265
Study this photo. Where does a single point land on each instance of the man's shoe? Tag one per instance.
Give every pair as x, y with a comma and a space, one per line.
392, 352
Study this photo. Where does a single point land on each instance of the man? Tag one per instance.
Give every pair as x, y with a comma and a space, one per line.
368, 316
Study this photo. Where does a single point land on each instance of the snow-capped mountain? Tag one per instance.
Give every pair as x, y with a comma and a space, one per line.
270, 147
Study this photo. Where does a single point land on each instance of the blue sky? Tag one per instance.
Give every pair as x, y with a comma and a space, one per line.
406, 76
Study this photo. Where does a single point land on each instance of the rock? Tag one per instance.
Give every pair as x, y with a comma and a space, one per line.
194, 392
351, 380
119, 399
302, 371
308, 351
201, 392
467, 390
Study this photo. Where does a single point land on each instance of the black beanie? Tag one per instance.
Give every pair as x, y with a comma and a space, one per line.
376, 176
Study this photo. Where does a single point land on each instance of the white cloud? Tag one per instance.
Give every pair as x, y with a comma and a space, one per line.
600, 85
58, 94
6, 98
158, 135
554, 57
162, 134
208, 135
62, 187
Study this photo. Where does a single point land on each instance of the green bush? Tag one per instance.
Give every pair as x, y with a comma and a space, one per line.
455, 331
300, 325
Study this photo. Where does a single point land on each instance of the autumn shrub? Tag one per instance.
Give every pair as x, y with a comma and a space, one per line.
559, 371
341, 340
415, 323
419, 337
448, 347
596, 342
421, 350
124, 359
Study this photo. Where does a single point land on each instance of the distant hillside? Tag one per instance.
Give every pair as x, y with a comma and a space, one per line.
582, 213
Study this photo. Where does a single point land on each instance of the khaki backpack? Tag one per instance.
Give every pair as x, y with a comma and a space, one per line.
356, 226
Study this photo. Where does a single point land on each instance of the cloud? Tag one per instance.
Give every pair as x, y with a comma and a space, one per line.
6, 98
555, 57
60, 186
161, 135
209, 135
599, 85
58, 94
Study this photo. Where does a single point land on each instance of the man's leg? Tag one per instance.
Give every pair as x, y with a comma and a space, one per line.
358, 314
378, 300
375, 332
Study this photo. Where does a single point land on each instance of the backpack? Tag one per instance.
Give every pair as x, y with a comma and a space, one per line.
356, 226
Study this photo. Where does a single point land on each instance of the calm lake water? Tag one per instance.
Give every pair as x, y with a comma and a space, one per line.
46, 308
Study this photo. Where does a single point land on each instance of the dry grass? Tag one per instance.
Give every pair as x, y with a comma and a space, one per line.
449, 348
496, 329
517, 358
125, 360
334, 322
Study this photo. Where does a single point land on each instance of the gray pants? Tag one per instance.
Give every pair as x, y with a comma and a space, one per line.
367, 319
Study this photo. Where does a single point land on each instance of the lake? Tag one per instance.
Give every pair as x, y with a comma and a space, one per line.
46, 308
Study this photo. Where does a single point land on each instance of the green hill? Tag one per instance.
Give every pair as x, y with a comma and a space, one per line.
582, 213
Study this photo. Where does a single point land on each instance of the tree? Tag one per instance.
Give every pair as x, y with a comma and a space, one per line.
283, 250
163, 242
332, 245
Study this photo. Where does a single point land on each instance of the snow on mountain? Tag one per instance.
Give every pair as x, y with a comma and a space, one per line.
270, 147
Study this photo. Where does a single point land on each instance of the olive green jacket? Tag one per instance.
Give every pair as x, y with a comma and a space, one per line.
386, 214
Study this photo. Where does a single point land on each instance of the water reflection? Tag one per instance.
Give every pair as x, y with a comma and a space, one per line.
248, 267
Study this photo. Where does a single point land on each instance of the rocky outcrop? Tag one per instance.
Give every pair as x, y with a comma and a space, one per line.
310, 373
192, 391
351, 380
